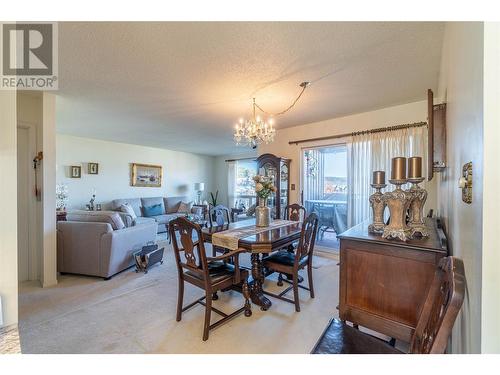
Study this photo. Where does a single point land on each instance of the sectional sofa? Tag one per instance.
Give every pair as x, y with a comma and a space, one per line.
101, 243
97, 243
169, 209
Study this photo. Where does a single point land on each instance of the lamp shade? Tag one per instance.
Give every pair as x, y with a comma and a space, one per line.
199, 186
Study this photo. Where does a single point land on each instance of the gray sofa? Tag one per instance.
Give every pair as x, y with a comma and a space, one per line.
169, 210
97, 243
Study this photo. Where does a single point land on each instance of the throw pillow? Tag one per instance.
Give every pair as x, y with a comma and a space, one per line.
153, 210
127, 208
185, 208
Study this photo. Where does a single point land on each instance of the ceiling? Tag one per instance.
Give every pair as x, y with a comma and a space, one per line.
182, 85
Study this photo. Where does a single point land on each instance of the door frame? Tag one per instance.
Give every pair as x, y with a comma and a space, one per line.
338, 142
34, 256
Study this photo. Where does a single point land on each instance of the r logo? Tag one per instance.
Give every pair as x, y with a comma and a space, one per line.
27, 49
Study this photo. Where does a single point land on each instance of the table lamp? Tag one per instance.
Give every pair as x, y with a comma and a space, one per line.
199, 187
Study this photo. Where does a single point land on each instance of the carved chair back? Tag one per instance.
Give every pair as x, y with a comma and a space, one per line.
307, 237
220, 215
441, 308
189, 252
295, 212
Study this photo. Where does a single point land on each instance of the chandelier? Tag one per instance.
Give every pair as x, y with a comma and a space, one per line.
256, 131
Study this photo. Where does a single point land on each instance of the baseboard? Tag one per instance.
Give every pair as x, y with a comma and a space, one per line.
49, 283
326, 253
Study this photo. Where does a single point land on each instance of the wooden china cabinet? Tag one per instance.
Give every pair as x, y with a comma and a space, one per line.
279, 170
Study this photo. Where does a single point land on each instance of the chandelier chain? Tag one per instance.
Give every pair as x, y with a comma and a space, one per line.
303, 85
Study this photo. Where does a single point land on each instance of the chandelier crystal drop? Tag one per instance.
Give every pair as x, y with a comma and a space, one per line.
254, 132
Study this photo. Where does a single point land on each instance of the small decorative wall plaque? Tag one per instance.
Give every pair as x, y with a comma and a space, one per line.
93, 168
76, 171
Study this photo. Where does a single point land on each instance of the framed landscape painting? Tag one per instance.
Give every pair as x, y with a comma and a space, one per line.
146, 175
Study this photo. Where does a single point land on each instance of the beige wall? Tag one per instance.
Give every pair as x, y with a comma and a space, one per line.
49, 261
401, 114
490, 301
461, 85
180, 170
8, 201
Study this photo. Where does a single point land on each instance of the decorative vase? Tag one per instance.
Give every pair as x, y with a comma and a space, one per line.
262, 214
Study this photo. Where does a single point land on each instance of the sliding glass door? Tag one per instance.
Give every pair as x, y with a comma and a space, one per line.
324, 191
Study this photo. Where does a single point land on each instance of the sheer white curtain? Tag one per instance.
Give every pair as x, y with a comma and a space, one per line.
374, 151
314, 175
231, 183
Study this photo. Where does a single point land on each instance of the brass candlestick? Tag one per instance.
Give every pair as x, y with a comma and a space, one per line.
378, 206
419, 196
398, 202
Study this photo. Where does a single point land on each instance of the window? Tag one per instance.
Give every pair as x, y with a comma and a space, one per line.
244, 186
325, 188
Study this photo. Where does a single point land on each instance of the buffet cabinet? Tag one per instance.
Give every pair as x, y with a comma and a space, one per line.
278, 170
384, 283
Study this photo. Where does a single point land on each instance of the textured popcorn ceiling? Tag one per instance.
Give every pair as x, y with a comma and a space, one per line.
182, 86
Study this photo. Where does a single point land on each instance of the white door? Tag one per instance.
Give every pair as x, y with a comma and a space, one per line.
27, 263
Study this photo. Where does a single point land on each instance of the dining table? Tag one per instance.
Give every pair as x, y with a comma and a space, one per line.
258, 241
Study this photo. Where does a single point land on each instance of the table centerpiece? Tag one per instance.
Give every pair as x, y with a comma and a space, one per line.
264, 186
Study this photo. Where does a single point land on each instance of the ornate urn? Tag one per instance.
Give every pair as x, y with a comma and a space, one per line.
262, 213
398, 202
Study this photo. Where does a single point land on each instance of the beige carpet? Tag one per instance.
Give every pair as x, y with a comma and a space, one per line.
135, 313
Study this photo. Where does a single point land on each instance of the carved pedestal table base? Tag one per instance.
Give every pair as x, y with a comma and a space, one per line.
256, 293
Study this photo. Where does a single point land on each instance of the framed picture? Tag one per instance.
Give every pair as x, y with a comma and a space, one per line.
76, 171
146, 175
93, 168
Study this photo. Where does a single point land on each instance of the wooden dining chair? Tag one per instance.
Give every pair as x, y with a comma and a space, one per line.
208, 273
219, 216
440, 310
289, 263
295, 212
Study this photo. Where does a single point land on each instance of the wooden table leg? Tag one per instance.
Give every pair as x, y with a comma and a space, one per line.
256, 293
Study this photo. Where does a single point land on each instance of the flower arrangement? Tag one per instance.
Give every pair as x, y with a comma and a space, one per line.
263, 186
61, 196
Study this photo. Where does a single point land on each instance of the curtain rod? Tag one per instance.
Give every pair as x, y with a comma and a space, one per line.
228, 160
378, 130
